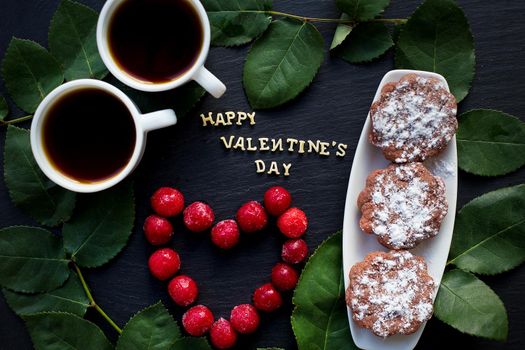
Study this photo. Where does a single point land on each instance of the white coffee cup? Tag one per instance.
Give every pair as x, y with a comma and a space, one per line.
143, 124
197, 72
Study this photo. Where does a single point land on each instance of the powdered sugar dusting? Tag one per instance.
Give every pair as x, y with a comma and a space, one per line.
416, 117
391, 293
407, 205
441, 168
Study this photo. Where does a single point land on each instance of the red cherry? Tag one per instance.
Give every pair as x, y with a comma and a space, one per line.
225, 234
244, 318
284, 277
293, 223
158, 230
167, 201
277, 200
198, 217
183, 290
294, 251
252, 217
197, 320
164, 263
267, 298
222, 334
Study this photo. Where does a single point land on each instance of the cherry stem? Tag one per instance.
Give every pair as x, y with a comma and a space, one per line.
14, 121
92, 300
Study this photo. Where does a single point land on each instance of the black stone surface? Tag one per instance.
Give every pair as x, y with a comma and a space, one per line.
190, 157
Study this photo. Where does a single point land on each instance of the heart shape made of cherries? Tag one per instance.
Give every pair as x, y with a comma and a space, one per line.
251, 217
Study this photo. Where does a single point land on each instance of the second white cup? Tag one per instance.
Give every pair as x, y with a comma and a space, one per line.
143, 123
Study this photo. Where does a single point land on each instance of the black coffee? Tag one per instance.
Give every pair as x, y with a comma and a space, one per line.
89, 135
155, 40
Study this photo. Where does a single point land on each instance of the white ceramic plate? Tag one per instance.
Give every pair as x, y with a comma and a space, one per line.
357, 244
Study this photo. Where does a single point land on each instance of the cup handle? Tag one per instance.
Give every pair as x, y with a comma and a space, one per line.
209, 82
158, 120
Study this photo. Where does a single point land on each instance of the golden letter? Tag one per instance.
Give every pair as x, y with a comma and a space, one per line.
251, 116
324, 146
207, 119
220, 120
240, 117
263, 144
277, 145
341, 150
273, 169
313, 146
260, 167
249, 146
239, 144
230, 116
291, 143
301, 146
228, 144
287, 167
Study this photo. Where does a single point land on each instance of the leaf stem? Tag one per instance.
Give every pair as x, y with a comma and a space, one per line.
92, 300
395, 21
17, 120
308, 19
107, 318
331, 20
84, 284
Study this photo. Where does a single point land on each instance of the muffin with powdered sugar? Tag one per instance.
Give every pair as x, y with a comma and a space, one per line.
390, 293
402, 205
414, 119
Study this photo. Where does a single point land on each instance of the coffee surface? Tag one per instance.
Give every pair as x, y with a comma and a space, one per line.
89, 135
155, 41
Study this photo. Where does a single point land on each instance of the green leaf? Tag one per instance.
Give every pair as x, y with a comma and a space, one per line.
362, 10
152, 328
31, 260
319, 320
341, 32
101, 226
28, 187
366, 42
60, 330
489, 233
192, 343
282, 63
235, 22
4, 108
30, 73
437, 38
73, 42
270, 349
396, 31
68, 298
490, 143
470, 306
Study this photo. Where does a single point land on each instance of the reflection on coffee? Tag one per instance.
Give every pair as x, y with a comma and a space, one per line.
88, 135
155, 41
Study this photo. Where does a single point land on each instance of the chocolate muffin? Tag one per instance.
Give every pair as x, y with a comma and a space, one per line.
390, 293
403, 205
413, 119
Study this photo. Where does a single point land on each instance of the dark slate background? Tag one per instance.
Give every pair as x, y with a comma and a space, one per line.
190, 157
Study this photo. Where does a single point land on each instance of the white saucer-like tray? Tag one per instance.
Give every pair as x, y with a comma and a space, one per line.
357, 244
